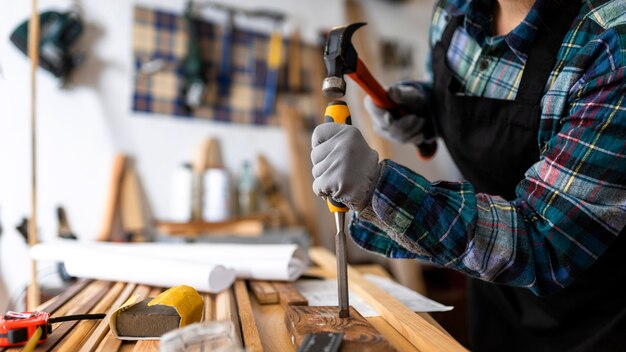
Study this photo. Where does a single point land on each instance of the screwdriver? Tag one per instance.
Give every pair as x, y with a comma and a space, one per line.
338, 112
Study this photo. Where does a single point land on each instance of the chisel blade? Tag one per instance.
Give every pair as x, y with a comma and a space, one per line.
342, 265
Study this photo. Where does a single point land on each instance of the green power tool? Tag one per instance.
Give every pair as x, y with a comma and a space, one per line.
195, 84
59, 31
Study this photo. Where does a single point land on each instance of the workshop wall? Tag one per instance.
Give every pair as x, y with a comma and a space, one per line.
81, 128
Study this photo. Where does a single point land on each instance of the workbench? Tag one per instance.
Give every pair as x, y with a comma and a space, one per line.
262, 325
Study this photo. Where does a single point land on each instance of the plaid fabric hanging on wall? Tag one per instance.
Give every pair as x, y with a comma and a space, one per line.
161, 37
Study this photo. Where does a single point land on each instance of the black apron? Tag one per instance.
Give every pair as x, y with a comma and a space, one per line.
493, 142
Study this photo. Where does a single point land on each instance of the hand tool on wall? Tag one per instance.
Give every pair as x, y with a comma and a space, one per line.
59, 32
65, 232
195, 85
64, 229
274, 56
225, 72
341, 58
338, 112
16, 329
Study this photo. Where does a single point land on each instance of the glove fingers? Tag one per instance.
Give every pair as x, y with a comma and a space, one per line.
379, 116
326, 131
407, 96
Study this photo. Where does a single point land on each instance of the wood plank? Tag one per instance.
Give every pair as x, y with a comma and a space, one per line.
83, 304
251, 338
288, 295
264, 291
113, 197
57, 302
226, 309
132, 207
146, 346
274, 334
359, 334
209, 307
81, 332
103, 326
374, 269
244, 227
300, 166
398, 341
33, 293
110, 343
421, 333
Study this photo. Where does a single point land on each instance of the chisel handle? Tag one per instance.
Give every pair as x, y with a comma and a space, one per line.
337, 112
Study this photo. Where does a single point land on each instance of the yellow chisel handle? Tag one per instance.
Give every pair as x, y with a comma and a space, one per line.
337, 112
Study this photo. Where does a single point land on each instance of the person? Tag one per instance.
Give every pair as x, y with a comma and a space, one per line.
529, 98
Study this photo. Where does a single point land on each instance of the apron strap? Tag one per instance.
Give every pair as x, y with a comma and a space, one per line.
448, 32
541, 58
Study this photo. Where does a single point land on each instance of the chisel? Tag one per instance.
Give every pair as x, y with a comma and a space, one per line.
338, 112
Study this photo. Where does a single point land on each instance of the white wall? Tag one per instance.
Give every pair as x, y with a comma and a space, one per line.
79, 130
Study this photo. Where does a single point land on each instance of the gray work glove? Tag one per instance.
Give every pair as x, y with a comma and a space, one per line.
405, 129
345, 168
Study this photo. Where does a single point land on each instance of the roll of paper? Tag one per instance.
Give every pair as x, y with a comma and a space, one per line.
104, 265
283, 262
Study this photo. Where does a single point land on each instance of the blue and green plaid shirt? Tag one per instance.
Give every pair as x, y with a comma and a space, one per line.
572, 203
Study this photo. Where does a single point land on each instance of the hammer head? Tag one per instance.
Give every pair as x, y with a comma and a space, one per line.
340, 58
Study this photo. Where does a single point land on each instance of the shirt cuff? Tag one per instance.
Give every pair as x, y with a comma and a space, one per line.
380, 226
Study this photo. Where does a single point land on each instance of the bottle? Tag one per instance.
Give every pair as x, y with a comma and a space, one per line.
247, 191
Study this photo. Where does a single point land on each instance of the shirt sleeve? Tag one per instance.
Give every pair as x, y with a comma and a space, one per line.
569, 208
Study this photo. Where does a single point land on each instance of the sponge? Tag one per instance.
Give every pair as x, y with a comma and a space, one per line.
142, 320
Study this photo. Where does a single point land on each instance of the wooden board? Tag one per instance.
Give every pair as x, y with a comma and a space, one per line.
422, 334
113, 197
244, 227
264, 291
105, 297
300, 167
359, 334
98, 334
251, 338
288, 295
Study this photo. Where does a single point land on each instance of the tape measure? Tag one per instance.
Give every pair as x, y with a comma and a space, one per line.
17, 328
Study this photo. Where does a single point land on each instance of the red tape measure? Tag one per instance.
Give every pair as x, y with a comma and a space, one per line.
17, 328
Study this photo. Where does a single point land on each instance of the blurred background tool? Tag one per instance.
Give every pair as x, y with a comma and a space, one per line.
65, 232
224, 74
338, 112
274, 57
195, 87
64, 226
341, 58
59, 32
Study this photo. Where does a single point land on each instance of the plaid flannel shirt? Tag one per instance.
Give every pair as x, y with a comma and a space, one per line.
570, 206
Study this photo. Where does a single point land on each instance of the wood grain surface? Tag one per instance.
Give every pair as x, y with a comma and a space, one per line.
264, 291
359, 334
420, 332
288, 295
99, 296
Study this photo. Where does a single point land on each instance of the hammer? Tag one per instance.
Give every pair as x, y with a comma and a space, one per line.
341, 59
